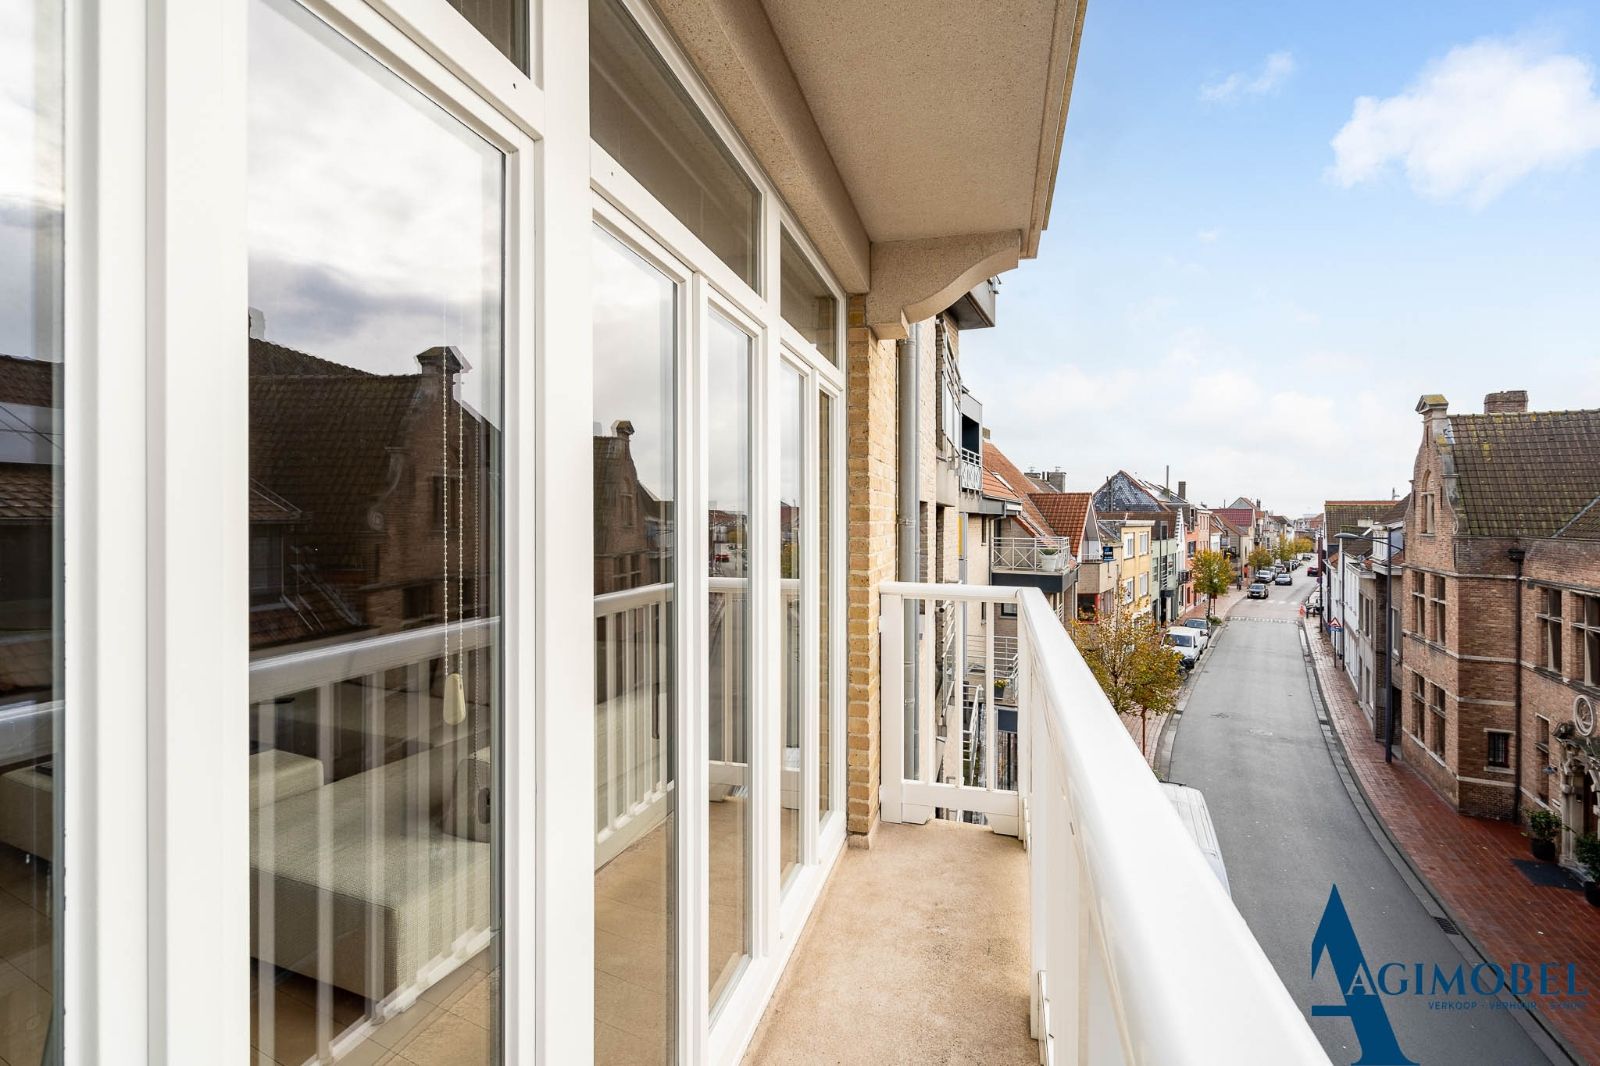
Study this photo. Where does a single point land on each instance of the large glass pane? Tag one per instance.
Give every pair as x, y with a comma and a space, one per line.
376, 356
641, 115
791, 494
729, 493
503, 22
31, 766
827, 667
806, 301
635, 576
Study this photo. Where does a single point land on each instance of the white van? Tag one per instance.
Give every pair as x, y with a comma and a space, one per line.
1190, 803
1187, 643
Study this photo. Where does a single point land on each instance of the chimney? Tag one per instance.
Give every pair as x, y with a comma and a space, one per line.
1183, 489
1434, 409
446, 355
258, 324
1511, 402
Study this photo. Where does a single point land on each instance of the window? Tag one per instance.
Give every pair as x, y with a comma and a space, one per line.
1541, 744
1436, 707
1586, 627
1127, 591
368, 736
266, 566
1549, 620
636, 649
792, 439
1144, 584
1498, 750
1437, 604
1127, 545
1426, 515
503, 22
730, 354
1144, 544
1364, 616
809, 306
33, 698
1419, 603
1419, 707
645, 119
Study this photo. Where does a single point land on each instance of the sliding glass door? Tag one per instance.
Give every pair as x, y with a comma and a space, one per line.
637, 324
32, 696
377, 356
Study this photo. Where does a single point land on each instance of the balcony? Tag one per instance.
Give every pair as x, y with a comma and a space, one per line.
1097, 935
971, 471
1032, 555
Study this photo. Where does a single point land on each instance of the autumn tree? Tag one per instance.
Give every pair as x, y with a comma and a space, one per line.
1213, 573
1285, 550
1260, 558
1139, 673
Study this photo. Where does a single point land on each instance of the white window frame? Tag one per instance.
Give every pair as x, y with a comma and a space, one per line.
156, 822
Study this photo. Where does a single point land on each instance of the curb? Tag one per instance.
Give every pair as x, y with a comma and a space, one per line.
1530, 1018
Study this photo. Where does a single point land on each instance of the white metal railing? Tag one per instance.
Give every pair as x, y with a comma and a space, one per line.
971, 470
1138, 956
1042, 555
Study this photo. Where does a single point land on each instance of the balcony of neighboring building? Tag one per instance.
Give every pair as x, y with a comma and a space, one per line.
1031, 555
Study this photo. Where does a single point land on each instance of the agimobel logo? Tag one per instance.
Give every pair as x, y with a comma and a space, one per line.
1363, 1004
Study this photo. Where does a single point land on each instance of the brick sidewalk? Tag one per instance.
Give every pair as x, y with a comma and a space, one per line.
1466, 862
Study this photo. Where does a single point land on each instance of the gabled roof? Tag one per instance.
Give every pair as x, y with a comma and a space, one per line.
1530, 473
1397, 512
1067, 513
1240, 519
995, 462
1219, 517
1352, 516
1123, 493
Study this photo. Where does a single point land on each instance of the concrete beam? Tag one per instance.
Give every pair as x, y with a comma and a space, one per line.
915, 280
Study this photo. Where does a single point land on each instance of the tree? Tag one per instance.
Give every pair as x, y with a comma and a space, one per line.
1303, 545
1138, 672
1213, 573
1285, 551
1260, 558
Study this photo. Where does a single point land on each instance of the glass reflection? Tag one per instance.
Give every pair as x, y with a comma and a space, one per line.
791, 491
641, 115
375, 579
824, 599
31, 692
728, 729
806, 302
635, 349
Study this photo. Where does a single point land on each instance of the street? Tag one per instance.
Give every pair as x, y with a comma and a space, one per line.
1249, 738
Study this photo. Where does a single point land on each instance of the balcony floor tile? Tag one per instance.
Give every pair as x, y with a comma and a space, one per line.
917, 952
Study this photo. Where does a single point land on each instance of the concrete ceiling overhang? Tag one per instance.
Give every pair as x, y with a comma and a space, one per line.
915, 141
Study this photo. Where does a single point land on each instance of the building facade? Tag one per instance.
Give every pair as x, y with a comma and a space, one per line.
1501, 573
474, 500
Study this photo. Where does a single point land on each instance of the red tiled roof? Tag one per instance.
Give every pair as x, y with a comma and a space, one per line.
1020, 484
1241, 519
996, 489
1066, 512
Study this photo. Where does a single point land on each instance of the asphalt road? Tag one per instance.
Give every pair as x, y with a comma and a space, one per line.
1250, 740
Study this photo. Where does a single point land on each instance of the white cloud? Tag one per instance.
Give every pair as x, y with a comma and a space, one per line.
1276, 70
1475, 123
1208, 236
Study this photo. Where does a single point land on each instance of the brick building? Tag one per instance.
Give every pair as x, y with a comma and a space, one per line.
1501, 609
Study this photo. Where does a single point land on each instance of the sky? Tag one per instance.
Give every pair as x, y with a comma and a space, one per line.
1275, 226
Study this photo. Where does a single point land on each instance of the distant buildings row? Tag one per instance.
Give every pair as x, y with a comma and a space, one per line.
1467, 614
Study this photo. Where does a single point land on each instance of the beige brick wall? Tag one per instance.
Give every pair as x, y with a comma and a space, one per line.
870, 494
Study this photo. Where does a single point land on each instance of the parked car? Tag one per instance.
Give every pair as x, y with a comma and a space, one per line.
1258, 591
1190, 804
1200, 627
1312, 571
1284, 578
1187, 643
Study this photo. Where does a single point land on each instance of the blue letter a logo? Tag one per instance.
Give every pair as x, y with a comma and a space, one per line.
1362, 1004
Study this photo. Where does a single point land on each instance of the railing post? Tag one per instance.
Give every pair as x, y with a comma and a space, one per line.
991, 707
891, 706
